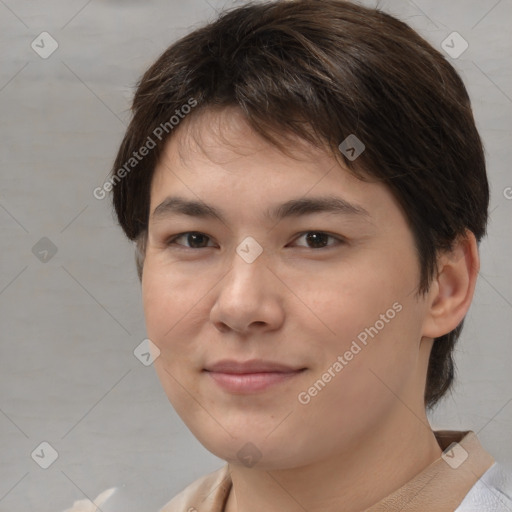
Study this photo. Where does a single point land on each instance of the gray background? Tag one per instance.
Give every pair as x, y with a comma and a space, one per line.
69, 326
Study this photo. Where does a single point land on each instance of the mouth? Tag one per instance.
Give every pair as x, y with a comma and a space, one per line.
250, 376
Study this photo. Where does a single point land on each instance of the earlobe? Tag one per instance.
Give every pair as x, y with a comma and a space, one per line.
453, 287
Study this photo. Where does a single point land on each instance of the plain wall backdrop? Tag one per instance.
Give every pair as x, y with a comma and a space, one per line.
70, 305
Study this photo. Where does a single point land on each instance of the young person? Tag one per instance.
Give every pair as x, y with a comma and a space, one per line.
306, 188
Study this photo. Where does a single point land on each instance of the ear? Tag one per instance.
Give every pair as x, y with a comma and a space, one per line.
451, 291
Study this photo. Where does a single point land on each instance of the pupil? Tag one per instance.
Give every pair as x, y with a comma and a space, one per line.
314, 238
193, 237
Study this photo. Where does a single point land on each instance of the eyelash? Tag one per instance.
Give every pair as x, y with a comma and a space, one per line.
172, 241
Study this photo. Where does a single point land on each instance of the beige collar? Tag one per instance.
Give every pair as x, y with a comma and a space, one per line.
440, 487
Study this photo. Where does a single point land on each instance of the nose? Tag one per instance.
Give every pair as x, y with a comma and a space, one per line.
249, 298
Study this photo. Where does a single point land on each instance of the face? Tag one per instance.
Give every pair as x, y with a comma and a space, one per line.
322, 302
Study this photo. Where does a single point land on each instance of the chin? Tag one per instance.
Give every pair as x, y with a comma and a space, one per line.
257, 452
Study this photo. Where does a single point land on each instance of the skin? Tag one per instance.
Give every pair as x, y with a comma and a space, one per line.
366, 433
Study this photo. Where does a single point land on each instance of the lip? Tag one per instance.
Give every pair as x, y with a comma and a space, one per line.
250, 376
251, 366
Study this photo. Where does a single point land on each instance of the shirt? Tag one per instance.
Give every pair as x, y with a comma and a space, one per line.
464, 479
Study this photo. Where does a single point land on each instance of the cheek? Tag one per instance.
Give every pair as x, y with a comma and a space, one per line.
154, 299
368, 387
168, 297
353, 300
176, 309
165, 310
373, 323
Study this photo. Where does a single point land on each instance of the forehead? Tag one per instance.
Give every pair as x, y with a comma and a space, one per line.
222, 135
221, 139
215, 154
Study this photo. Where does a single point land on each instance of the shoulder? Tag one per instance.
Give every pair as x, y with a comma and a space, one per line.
492, 492
207, 494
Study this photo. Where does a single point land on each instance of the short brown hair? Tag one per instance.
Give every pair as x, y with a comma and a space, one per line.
323, 70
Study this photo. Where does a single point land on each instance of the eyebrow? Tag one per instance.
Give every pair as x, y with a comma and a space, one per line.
292, 208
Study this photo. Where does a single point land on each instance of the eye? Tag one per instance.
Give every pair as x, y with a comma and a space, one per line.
197, 240
194, 238
319, 239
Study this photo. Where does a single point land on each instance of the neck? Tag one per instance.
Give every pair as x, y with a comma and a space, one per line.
376, 465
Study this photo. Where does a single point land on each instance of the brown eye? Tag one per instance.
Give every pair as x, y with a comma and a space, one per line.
195, 239
318, 239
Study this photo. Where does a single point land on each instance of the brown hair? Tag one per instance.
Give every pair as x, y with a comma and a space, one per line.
323, 70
